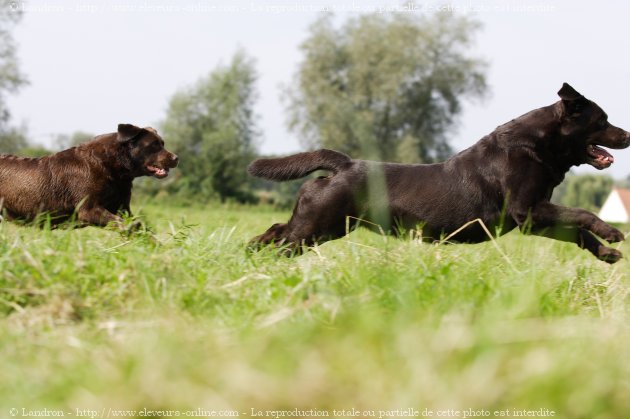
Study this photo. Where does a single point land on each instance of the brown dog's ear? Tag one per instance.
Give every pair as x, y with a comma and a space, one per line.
127, 132
567, 92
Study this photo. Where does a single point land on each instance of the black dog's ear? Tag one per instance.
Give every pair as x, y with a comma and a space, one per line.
127, 132
572, 100
567, 92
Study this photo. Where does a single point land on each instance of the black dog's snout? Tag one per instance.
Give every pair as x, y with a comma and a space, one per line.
624, 139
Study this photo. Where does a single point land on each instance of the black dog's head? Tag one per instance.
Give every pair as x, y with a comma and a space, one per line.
585, 126
147, 154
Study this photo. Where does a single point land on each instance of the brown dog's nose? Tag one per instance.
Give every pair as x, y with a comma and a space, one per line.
174, 159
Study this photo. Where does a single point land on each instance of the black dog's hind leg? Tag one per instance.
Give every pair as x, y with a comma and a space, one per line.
276, 235
292, 241
318, 216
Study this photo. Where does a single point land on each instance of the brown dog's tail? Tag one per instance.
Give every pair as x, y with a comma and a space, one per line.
299, 165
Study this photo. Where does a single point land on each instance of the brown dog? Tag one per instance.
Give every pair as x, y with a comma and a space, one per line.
505, 180
92, 181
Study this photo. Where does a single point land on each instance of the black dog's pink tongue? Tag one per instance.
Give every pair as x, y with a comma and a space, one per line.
601, 155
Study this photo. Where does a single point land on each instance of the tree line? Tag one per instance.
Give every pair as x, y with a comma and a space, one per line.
386, 87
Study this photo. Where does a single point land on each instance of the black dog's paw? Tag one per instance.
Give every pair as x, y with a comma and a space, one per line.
280, 247
254, 246
607, 232
608, 255
613, 235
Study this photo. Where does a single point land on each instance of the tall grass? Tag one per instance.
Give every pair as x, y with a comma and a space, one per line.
188, 320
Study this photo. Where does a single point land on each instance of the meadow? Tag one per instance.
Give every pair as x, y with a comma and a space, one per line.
184, 322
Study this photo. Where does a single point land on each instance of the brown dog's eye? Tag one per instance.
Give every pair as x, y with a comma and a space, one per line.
602, 123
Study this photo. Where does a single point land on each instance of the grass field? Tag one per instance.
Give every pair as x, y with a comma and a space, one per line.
95, 324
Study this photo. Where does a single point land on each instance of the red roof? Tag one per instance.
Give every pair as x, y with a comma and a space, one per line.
624, 194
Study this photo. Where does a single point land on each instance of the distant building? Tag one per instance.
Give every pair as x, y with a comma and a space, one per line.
616, 208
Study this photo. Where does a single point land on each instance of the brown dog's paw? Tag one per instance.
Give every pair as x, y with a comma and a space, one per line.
608, 255
131, 227
135, 226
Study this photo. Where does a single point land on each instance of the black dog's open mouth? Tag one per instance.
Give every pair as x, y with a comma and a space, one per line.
598, 157
157, 172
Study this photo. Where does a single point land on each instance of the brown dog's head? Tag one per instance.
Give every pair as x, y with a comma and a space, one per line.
146, 151
587, 127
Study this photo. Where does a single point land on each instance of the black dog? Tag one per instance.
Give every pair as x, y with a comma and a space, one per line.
505, 180
92, 180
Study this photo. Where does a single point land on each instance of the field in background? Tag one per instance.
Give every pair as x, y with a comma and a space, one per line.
186, 322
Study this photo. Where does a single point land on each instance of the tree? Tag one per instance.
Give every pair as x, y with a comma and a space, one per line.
584, 191
10, 77
623, 183
11, 139
385, 86
34, 150
212, 127
64, 141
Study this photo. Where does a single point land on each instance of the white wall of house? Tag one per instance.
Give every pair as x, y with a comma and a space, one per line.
613, 209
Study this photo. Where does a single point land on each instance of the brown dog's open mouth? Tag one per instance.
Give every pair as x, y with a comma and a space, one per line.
157, 172
598, 157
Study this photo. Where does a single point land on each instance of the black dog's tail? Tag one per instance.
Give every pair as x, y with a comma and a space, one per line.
299, 165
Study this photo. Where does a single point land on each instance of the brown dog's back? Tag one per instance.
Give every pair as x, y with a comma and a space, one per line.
21, 185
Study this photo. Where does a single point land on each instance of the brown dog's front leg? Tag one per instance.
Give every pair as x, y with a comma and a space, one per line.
99, 216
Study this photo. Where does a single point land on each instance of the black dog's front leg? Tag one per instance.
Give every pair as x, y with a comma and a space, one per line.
546, 214
583, 238
572, 225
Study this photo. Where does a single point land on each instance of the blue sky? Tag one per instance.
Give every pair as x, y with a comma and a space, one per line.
93, 64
